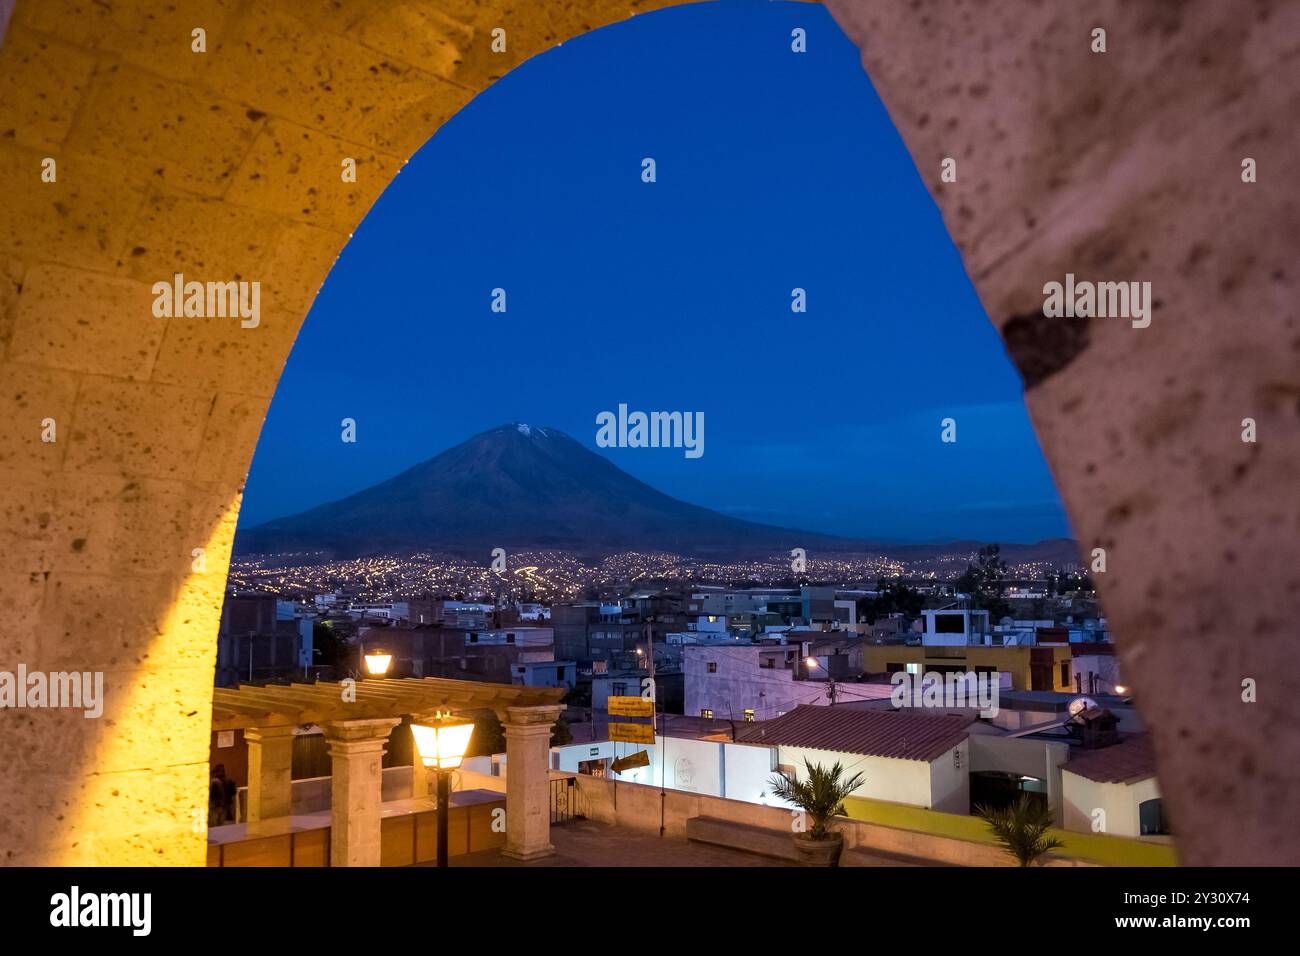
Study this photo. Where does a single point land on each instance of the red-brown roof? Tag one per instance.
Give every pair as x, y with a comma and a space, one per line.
1128, 761
872, 733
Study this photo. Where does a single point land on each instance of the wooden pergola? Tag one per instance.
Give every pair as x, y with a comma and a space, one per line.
293, 705
357, 718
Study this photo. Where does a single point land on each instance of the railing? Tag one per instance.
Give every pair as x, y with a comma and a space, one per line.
564, 797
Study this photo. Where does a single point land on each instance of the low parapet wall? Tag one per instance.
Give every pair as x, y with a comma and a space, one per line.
945, 838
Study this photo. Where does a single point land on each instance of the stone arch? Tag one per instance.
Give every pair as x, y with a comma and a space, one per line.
226, 164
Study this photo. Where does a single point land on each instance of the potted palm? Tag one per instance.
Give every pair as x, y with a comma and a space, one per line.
820, 796
1021, 827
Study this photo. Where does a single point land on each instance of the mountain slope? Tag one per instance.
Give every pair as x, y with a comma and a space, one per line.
517, 487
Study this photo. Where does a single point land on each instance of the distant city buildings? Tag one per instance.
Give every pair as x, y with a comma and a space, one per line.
752, 680
262, 638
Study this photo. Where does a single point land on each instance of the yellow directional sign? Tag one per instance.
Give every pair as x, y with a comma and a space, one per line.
631, 707
639, 759
632, 733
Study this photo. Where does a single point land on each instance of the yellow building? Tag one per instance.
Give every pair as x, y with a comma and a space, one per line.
1031, 668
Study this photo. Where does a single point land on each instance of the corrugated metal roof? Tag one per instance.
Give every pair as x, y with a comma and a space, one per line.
1128, 761
871, 733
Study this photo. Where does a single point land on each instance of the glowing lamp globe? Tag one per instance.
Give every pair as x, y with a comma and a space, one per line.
443, 741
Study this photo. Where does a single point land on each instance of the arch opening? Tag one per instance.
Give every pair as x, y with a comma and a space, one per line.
157, 420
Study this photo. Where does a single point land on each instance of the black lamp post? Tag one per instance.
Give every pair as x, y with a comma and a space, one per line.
442, 743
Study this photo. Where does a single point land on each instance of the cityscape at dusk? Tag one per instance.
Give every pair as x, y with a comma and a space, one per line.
556, 576
647, 436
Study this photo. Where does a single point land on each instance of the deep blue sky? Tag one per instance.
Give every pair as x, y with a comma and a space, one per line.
775, 170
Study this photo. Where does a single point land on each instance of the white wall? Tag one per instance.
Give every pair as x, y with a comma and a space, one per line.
740, 684
694, 766
748, 769
1120, 802
568, 757
711, 767
1030, 757
1105, 666
901, 781
950, 780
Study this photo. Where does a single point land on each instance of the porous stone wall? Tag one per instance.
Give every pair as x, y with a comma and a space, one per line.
223, 165
1127, 165
125, 438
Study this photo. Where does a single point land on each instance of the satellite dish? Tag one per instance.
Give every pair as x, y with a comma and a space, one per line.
1080, 704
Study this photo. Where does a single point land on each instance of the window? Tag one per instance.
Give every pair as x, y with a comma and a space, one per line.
559, 673
706, 713
949, 624
749, 715
1065, 673
1151, 817
510, 638
473, 638
914, 668
768, 663
713, 667
619, 690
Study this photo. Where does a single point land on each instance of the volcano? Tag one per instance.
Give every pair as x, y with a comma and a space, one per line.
520, 487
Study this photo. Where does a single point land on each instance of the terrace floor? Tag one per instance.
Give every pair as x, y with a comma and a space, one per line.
587, 843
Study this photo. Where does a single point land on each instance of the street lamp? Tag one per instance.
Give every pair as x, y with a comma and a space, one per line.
442, 743
831, 688
377, 662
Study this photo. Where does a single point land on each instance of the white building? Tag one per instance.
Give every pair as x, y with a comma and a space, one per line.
760, 681
1096, 673
746, 682
955, 627
1113, 790
905, 757
534, 612
546, 673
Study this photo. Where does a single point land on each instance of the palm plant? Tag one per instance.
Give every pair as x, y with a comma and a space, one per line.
1021, 827
821, 795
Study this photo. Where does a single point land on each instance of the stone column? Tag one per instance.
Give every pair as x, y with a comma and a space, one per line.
270, 772
528, 791
422, 784
356, 759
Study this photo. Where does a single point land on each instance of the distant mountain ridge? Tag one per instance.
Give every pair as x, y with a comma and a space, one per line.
522, 487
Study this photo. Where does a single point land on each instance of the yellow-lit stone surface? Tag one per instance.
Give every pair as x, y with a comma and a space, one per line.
221, 165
